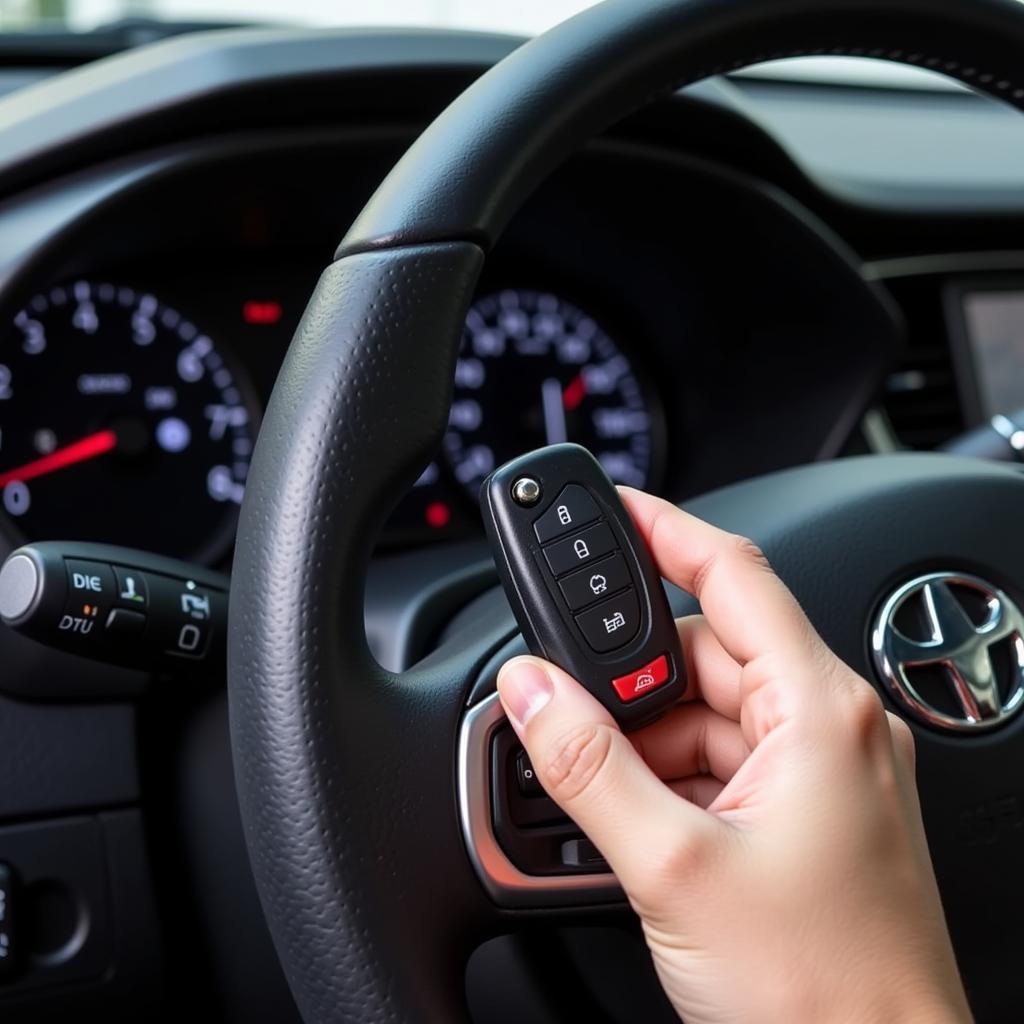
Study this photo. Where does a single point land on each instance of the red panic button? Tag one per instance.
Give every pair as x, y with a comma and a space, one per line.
642, 680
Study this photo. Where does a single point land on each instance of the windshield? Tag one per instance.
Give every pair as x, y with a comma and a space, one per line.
524, 17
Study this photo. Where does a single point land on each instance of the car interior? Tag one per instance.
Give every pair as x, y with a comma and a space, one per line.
278, 298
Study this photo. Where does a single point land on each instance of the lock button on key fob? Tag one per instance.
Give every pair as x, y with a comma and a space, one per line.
581, 582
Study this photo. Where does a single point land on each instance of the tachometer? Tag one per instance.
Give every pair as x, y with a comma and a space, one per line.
535, 370
120, 422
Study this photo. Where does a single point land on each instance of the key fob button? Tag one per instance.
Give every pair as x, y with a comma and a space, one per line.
611, 624
573, 508
582, 549
643, 680
599, 580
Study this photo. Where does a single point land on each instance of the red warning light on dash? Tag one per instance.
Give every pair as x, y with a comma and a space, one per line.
261, 314
438, 515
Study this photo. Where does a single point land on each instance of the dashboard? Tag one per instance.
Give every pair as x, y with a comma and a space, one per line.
140, 351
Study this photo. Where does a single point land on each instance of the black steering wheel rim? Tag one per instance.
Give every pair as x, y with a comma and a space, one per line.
345, 771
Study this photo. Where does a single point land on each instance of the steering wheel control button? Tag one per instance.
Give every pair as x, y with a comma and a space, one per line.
526, 492
132, 590
599, 580
593, 543
582, 853
573, 508
601, 611
611, 624
124, 623
526, 777
21, 586
643, 681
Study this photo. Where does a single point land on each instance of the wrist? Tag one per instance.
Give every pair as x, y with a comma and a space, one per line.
865, 994
908, 1002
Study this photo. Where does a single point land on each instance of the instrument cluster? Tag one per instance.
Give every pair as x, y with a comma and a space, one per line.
125, 420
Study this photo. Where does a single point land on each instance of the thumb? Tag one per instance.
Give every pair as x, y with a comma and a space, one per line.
589, 768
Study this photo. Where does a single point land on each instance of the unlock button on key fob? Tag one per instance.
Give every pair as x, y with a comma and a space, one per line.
585, 547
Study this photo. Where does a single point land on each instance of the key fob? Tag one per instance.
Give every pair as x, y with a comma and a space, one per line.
581, 582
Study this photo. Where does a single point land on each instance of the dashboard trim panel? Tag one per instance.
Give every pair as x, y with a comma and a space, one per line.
926, 264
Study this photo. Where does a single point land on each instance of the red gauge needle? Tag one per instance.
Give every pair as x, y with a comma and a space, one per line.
574, 393
89, 447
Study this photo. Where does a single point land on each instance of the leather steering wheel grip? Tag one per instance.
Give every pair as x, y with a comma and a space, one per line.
345, 772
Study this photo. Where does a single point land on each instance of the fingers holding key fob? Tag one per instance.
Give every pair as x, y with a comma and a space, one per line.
767, 832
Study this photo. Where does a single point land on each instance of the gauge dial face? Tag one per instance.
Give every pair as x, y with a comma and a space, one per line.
535, 370
119, 422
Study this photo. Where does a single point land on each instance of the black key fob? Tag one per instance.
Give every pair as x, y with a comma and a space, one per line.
581, 582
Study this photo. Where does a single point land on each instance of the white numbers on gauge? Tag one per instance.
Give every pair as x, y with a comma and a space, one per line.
466, 415
223, 416
190, 360
622, 467
222, 486
34, 342
489, 343
44, 441
17, 498
85, 317
620, 422
476, 464
513, 322
603, 378
470, 373
143, 328
573, 350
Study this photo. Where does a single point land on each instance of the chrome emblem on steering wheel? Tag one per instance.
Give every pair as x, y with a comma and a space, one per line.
963, 669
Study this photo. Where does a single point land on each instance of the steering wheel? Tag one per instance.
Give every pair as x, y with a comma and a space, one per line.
365, 793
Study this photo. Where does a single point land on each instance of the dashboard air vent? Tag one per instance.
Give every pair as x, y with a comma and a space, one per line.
920, 395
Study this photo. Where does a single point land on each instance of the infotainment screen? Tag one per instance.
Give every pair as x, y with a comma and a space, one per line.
993, 322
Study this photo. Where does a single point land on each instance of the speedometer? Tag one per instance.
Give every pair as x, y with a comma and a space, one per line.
120, 421
534, 370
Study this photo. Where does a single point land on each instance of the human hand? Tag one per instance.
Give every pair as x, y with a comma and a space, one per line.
767, 830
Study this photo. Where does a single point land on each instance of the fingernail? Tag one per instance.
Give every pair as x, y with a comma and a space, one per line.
525, 688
